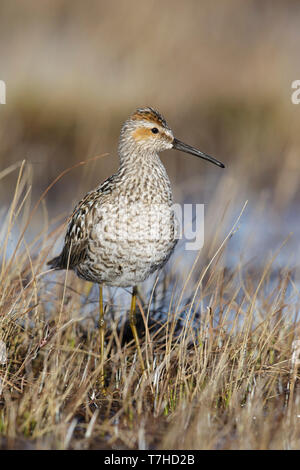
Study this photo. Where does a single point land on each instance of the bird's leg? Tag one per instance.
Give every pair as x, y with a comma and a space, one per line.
88, 288
132, 321
102, 332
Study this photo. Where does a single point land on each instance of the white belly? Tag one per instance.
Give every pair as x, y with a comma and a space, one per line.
129, 245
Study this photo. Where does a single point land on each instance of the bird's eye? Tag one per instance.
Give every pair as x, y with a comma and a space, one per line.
154, 130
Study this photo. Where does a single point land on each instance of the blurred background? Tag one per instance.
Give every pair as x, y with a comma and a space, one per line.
220, 73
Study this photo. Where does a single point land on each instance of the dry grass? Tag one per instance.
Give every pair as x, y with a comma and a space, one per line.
221, 353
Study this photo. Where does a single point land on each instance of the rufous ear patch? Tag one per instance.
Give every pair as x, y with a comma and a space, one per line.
142, 133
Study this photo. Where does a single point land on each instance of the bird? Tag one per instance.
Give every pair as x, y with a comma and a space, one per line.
125, 229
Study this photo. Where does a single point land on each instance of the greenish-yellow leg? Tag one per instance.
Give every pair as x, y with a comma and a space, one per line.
132, 321
88, 288
102, 333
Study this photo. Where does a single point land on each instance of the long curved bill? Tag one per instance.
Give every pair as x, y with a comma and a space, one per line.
178, 145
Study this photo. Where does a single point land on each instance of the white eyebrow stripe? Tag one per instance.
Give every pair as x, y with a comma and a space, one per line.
150, 125
161, 128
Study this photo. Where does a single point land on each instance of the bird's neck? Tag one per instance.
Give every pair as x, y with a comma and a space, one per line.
146, 174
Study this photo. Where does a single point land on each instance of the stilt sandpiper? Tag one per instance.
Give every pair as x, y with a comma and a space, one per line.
125, 229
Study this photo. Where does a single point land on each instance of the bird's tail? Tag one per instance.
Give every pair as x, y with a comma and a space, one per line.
55, 262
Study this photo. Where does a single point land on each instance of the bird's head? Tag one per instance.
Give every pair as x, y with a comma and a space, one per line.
147, 131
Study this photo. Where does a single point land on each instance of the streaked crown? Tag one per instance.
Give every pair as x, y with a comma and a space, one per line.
149, 114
